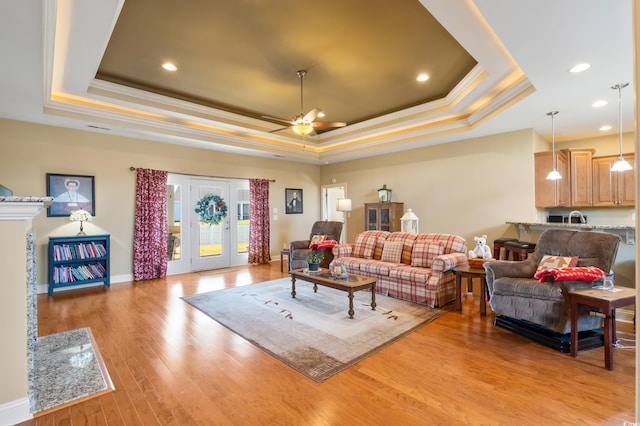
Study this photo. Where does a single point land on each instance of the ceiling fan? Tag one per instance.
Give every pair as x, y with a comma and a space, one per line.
304, 124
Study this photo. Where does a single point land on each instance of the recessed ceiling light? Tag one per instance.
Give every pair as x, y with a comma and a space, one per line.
580, 67
169, 66
599, 104
605, 128
422, 77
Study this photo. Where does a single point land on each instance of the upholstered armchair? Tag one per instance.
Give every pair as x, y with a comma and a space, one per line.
298, 250
515, 293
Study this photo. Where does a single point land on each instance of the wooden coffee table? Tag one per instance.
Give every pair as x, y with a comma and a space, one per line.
351, 283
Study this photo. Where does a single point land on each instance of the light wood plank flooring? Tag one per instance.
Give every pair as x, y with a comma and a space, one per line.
172, 365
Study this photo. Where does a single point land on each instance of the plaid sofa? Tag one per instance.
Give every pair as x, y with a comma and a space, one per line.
417, 268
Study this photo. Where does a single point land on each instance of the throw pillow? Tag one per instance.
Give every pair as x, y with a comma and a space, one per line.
392, 251
424, 252
364, 246
549, 261
315, 240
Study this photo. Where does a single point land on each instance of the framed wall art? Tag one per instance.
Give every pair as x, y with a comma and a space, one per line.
70, 193
293, 198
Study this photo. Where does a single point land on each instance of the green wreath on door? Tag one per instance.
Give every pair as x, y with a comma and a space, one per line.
212, 209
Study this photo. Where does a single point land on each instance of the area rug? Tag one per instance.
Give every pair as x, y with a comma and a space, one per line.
313, 332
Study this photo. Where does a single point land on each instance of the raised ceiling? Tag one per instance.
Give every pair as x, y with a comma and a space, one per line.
95, 65
362, 57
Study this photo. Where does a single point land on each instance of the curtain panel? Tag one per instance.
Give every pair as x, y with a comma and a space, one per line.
259, 228
150, 232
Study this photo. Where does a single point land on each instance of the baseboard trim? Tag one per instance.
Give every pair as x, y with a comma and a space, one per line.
15, 412
115, 279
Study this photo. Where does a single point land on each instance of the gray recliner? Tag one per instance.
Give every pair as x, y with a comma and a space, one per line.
298, 250
515, 293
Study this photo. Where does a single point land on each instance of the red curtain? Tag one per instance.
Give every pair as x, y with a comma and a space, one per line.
259, 228
150, 233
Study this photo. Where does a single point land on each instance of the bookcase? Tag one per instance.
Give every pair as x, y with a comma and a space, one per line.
78, 260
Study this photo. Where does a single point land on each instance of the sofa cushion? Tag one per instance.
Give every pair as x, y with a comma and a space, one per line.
407, 240
549, 261
424, 252
527, 288
377, 268
315, 239
364, 246
410, 274
392, 251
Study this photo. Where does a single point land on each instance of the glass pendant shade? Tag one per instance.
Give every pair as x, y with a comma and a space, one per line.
621, 165
554, 174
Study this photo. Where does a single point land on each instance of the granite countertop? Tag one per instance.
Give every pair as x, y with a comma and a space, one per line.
627, 232
26, 199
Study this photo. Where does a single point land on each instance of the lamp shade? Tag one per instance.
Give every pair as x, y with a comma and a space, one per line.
344, 205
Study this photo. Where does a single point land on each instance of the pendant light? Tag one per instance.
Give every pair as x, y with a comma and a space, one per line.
553, 174
621, 165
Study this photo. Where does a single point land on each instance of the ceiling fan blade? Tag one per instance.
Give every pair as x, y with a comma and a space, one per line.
281, 120
277, 130
311, 115
328, 124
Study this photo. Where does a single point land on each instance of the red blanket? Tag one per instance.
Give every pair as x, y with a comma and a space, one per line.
323, 245
581, 273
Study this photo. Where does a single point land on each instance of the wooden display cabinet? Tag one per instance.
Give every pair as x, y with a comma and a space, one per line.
383, 216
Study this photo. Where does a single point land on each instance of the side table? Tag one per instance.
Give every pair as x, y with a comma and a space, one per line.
283, 253
607, 301
469, 273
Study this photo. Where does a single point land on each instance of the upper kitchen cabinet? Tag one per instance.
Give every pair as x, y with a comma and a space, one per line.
581, 177
575, 187
551, 193
612, 188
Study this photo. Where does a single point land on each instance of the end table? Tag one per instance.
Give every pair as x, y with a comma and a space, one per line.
470, 273
283, 253
607, 301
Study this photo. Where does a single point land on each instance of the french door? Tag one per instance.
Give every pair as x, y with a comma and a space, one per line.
195, 245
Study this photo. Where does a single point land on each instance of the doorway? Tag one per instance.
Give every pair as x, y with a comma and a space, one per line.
330, 196
195, 245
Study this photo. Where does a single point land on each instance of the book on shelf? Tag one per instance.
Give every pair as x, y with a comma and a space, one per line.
80, 251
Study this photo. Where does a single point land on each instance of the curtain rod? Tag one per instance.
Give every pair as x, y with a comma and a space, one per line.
133, 169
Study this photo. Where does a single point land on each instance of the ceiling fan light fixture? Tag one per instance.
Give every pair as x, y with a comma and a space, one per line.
302, 129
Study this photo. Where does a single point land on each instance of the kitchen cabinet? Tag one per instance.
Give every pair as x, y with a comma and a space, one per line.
383, 216
581, 177
612, 188
575, 187
551, 193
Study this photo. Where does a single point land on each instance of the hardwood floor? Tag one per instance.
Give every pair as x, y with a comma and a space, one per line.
173, 365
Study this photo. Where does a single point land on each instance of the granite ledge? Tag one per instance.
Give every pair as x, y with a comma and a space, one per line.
628, 233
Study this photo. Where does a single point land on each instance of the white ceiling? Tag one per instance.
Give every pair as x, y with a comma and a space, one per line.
51, 52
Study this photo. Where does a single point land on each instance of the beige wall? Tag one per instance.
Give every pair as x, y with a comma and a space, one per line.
473, 187
469, 188
30, 151
13, 312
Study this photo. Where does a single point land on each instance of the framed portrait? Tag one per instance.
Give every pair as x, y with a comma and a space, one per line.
70, 193
293, 198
